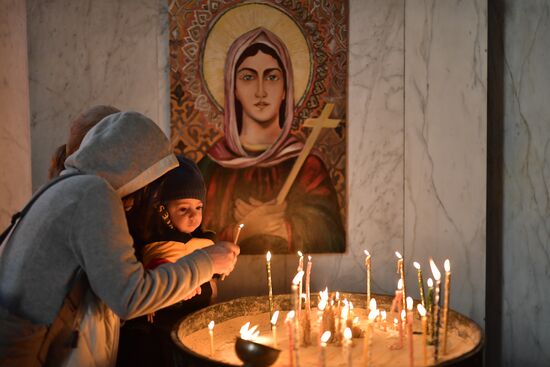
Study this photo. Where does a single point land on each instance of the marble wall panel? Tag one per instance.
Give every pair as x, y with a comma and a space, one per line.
445, 145
15, 145
375, 165
83, 53
526, 207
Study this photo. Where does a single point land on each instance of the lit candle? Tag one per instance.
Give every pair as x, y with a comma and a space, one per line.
308, 289
235, 239
410, 330
347, 345
401, 272
274, 327
430, 308
269, 283
324, 339
368, 332
372, 305
211, 332
239, 228
300, 269
447, 266
320, 311
420, 282
437, 277
290, 327
422, 312
384, 320
368, 266
296, 304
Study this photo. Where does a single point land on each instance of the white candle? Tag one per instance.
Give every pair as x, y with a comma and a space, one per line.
347, 345
410, 330
324, 339
211, 332
239, 228
274, 327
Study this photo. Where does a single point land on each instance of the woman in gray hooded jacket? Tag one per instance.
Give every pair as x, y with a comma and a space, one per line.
80, 223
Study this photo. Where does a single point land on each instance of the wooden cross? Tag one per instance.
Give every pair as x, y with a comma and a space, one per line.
323, 121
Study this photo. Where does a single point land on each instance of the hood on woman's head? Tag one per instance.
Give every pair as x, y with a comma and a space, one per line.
127, 149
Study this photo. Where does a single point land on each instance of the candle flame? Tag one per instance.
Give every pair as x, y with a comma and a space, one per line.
395, 321
398, 255
447, 265
325, 337
421, 310
430, 283
300, 254
290, 316
298, 278
274, 318
383, 314
337, 295
355, 320
403, 314
373, 314
322, 304
244, 328
268, 256
372, 304
249, 334
211, 325
400, 284
435, 270
308, 258
366, 253
416, 265
409, 303
347, 334
241, 226
345, 311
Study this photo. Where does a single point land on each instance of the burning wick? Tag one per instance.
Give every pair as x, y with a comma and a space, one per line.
211, 332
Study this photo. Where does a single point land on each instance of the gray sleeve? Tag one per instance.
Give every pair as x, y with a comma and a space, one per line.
103, 247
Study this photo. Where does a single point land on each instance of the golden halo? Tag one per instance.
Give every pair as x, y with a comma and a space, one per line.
241, 19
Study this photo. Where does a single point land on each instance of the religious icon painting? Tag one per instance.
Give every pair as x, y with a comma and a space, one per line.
259, 100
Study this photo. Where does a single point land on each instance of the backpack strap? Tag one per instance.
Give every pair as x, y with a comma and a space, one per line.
17, 216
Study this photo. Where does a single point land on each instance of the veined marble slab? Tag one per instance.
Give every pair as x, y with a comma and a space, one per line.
83, 53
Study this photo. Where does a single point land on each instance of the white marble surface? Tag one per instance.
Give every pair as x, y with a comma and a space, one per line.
445, 145
83, 53
15, 149
526, 213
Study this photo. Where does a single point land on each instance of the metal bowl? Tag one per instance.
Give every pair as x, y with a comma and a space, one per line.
255, 354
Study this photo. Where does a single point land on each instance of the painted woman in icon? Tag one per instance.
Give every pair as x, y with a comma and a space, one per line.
246, 169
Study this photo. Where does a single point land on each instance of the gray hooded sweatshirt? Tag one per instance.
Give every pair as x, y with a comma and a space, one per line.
80, 222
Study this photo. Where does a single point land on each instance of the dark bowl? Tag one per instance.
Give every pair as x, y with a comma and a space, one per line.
255, 354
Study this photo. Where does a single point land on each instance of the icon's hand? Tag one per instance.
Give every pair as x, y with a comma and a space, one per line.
261, 218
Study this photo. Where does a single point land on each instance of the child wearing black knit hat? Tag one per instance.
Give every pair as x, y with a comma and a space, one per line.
167, 227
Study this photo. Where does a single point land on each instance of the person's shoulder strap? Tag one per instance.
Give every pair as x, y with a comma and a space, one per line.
20, 214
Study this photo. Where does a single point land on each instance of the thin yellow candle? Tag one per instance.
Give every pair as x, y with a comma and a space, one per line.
401, 272
347, 345
422, 312
410, 330
368, 266
274, 327
420, 282
235, 240
308, 289
211, 332
430, 308
324, 339
447, 266
437, 277
269, 283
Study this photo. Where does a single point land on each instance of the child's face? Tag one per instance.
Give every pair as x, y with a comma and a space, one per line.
185, 214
